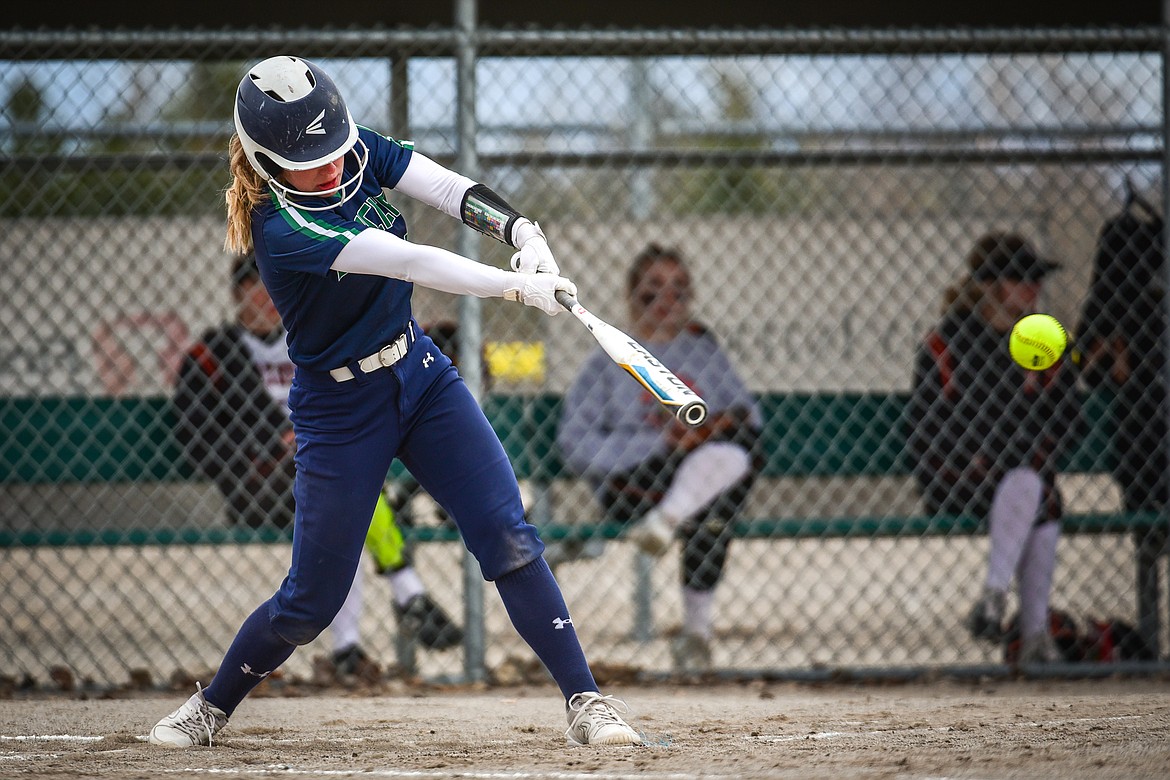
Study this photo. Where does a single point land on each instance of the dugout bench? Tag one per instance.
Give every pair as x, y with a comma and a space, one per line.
55, 440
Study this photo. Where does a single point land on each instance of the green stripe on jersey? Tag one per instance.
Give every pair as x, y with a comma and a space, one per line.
403, 144
316, 229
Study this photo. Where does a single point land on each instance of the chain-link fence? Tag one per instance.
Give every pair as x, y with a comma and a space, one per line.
825, 191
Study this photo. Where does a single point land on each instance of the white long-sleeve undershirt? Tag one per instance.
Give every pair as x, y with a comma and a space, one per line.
385, 254
430, 183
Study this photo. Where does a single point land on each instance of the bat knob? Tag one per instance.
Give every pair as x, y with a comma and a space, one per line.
693, 414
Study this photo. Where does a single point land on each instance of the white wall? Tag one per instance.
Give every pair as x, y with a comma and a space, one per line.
812, 305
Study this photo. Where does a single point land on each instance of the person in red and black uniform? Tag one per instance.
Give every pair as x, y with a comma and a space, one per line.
985, 436
233, 429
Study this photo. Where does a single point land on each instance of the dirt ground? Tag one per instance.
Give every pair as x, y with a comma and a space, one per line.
961, 729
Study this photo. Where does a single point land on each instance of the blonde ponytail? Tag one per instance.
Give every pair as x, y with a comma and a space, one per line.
246, 191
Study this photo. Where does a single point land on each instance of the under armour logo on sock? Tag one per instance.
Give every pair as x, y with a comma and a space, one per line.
246, 669
428, 359
560, 623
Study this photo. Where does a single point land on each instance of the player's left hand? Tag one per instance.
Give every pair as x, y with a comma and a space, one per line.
534, 255
539, 291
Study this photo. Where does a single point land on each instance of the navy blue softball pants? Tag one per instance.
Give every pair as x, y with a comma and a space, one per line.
347, 434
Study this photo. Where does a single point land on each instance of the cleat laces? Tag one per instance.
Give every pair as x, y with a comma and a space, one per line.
199, 722
206, 719
601, 710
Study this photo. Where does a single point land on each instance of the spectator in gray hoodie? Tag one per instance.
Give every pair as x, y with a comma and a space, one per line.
650, 471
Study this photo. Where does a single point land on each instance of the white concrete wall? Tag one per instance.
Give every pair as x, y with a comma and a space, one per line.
105, 306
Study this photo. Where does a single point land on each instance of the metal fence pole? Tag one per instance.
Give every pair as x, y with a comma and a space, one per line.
1152, 542
405, 645
470, 311
641, 207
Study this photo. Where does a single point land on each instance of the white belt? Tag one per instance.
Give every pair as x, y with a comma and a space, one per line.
383, 358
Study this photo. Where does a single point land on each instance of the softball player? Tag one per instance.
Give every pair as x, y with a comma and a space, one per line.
985, 437
307, 197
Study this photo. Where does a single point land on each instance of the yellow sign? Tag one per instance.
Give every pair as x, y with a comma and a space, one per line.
515, 361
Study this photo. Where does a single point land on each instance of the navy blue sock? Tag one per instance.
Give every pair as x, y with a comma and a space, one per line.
537, 609
255, 653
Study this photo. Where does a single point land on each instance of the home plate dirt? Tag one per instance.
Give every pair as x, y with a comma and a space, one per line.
1041, 729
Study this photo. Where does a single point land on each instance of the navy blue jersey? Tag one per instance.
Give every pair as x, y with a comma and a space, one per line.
334, 318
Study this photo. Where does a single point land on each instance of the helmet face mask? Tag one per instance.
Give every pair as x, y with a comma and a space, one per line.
348, 188
290, 116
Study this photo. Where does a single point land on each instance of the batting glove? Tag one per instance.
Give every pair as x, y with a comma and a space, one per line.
534, 255
539, 291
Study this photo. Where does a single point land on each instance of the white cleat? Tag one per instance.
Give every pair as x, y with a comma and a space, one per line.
195, 723
1040, 649
652, 534
691, 654
594, 720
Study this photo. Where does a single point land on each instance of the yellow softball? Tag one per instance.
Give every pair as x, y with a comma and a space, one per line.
1037, 341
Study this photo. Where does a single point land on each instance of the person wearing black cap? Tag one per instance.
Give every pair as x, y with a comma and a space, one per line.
985, 435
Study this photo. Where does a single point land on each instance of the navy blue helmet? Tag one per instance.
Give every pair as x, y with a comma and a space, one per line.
290, 116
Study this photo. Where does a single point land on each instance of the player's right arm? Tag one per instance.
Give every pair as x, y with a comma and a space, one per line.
383, 254
480, 209
320, 242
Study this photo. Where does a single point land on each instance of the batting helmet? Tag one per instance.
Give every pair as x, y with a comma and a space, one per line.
290, 116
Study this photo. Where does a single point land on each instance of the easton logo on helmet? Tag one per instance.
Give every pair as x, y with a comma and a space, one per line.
316, 127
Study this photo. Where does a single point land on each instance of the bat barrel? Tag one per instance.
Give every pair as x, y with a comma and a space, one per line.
634, 358
693, 414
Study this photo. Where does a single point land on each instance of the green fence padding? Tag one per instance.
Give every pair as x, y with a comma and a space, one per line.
47, 440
